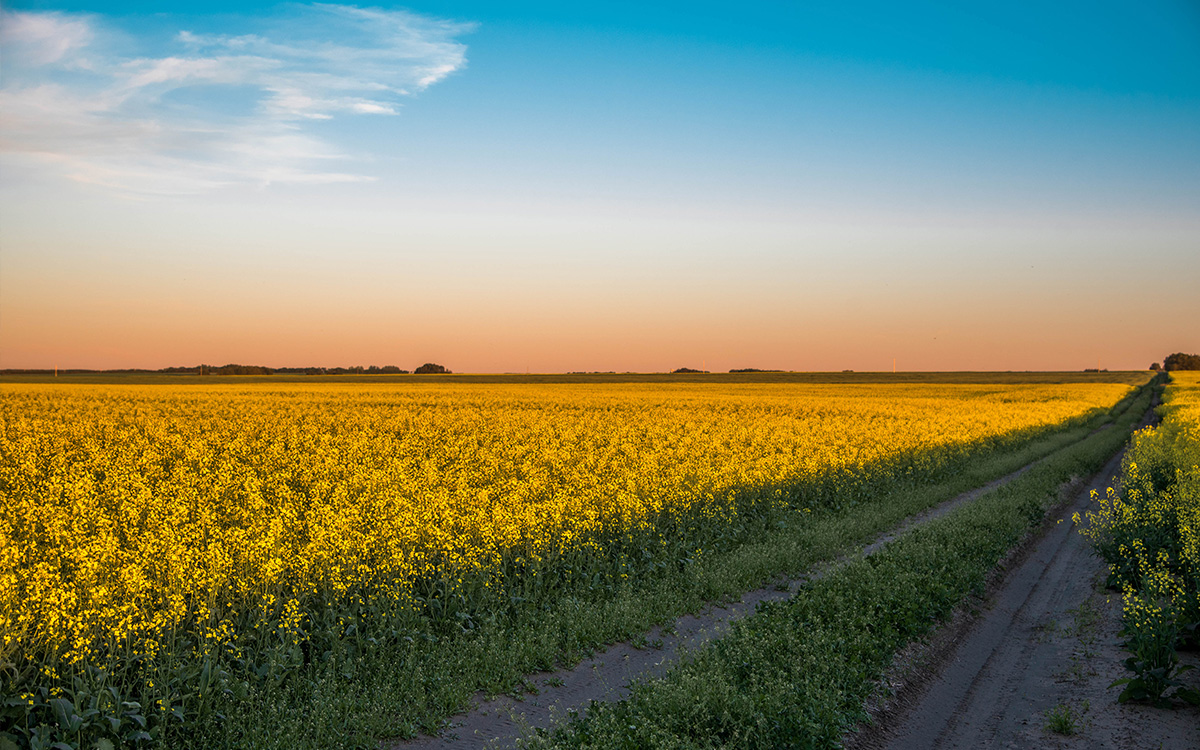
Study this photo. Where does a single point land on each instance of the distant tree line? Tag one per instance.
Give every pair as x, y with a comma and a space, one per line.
430, 368
261, 370
235, 369
356, 370
70, 371
1181, 361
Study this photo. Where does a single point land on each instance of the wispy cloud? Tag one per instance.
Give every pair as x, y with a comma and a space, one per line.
218, 109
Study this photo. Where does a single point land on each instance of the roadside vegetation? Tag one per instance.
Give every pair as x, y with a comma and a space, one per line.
322, 566
1148, 530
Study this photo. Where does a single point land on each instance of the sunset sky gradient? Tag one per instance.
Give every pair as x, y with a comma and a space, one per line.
503, 187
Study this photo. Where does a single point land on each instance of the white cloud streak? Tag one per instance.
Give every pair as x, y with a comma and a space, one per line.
218, 110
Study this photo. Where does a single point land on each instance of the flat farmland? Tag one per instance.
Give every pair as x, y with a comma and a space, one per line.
262, 561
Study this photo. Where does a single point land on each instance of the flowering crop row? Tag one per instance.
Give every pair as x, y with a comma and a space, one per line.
1149, 532
150, 535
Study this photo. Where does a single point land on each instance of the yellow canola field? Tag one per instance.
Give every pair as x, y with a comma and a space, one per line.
129, 511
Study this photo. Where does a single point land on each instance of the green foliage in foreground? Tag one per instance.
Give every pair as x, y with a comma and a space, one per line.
797, 673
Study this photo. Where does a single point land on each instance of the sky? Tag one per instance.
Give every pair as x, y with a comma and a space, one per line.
618, 186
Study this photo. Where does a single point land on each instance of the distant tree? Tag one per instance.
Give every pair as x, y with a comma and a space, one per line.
430, 368
237, 370
1181, 361
1154, 366
687, 371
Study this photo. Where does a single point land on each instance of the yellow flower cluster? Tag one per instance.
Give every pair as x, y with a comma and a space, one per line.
130, 511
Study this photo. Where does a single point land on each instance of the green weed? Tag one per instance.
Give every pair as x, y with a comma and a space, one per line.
1063, 719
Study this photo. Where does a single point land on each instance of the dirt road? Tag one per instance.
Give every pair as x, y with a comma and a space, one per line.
1039, 658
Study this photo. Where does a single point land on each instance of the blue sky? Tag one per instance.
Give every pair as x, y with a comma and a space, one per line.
600, 186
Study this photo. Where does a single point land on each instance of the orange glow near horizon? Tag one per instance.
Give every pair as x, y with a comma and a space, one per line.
273, 284
593, 330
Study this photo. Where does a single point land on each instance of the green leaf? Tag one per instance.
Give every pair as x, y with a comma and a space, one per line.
64, 713
1189, 695
205, 676
103, 744
1137, 690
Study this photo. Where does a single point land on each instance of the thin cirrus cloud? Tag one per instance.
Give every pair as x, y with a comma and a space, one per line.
217, 109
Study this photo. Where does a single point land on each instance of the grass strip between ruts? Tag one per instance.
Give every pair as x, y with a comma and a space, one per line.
796, 673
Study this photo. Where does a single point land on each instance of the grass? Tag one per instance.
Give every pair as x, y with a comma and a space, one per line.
400, 690
797, 673
1063, 719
